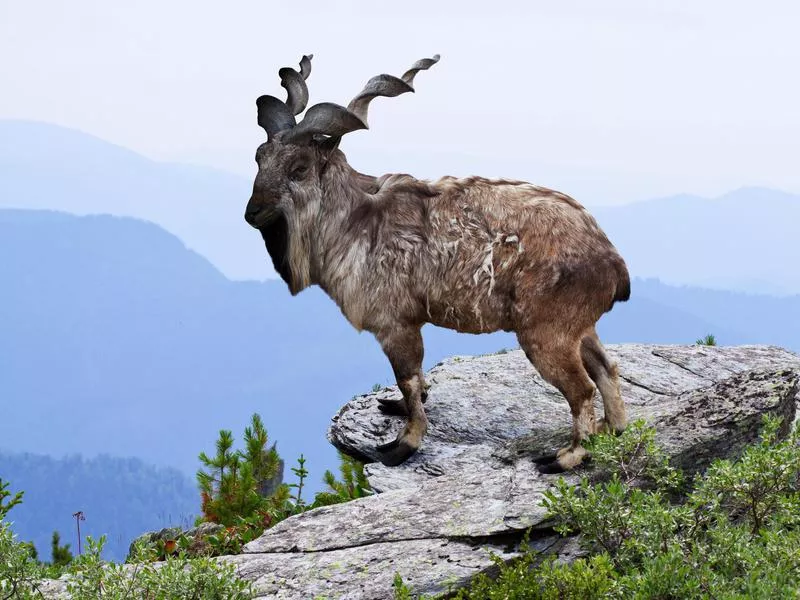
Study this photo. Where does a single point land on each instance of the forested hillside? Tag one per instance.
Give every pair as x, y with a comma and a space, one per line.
120, 497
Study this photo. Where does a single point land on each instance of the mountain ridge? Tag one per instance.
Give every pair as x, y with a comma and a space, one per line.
742, 240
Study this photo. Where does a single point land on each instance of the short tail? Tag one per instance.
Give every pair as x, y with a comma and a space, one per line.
623, 283
623, 290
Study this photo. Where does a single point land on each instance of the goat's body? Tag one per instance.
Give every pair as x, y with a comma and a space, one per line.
473, 255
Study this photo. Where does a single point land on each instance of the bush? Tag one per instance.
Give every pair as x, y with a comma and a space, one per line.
353, 483
176, 577
61, 554
19, 571
708, 340
231, 488
89, 578
735, 533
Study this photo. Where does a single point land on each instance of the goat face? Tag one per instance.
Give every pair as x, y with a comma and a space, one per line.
290, 163
286, 182
287, 193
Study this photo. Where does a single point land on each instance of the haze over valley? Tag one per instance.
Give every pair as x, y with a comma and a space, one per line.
140, 314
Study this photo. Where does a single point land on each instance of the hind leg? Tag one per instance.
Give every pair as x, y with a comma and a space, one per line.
558, 359
603, 372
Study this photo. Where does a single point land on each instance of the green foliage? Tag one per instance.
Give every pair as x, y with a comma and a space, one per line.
634, 457
709, 340
761, 488
736, 533
301, 472
401, 590
232, 492
90, 578
121, 497
18, 570
353, 483
7, 505
176, 577
230, 489
61, 556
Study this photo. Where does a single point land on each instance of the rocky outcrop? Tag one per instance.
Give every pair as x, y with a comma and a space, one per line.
473, 487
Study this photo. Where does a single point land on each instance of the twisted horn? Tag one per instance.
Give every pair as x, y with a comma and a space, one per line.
295, 84
421, 65
334, 120
273, 114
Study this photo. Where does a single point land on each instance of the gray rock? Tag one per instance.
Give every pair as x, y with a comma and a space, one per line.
473, 488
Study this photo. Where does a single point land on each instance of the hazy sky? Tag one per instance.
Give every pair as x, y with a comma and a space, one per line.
611, 101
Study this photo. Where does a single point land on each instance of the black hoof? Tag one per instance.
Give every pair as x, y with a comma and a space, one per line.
550, 468
546, 459
388, 445
396, 452
389, 406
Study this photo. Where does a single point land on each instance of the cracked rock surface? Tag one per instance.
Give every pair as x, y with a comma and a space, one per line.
473, 488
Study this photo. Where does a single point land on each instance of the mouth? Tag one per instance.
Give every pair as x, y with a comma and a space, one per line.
260, 218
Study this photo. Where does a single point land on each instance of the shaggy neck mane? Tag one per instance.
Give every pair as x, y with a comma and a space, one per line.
311, 241
353, 211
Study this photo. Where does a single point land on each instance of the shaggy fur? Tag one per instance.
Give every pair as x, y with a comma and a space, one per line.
474, 255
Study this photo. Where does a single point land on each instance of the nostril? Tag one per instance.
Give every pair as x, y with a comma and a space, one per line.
252, 209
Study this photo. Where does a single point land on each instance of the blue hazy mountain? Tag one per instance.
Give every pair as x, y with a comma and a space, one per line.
44, 166
120, 497
745, 240
117, 339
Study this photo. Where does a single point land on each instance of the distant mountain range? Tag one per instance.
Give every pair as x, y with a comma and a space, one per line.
745, 240
44, 166
117, 339
120, 497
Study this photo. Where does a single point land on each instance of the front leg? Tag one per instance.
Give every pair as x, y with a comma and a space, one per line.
393, 406
403, 348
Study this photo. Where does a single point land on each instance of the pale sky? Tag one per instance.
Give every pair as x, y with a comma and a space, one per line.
609, 101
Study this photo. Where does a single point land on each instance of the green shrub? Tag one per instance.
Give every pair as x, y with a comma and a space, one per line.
19, 571
353, 483
231, 487
61, 555
709, 340
734, 533
7, 505
177, 577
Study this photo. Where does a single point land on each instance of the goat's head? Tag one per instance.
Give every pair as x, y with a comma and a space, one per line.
291, 162
289, 185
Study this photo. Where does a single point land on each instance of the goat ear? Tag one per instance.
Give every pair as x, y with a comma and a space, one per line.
330, 144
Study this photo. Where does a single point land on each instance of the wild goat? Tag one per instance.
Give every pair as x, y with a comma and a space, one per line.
474, 255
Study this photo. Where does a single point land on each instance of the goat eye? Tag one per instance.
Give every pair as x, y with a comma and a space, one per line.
298, 172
